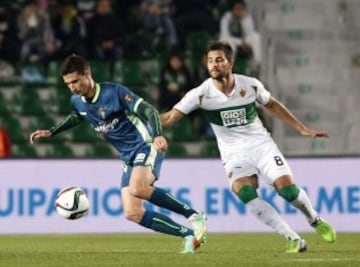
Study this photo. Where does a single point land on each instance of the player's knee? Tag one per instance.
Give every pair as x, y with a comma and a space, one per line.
289, 192
247, 193
138, 192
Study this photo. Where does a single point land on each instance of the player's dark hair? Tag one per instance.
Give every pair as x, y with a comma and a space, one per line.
237, 2
223, 46
74, 63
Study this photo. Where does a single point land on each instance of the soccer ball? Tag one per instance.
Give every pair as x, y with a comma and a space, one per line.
72, 203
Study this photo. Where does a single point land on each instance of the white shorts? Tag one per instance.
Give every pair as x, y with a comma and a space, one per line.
264, 160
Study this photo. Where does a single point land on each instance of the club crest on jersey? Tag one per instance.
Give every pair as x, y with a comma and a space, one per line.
102, 113
242, 92
129, 98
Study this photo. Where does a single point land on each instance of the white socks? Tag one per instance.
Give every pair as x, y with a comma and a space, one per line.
268, 215
304, 205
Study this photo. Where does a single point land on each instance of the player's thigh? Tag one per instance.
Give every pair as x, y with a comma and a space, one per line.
141, 176
145, 169
239, 168
140, 181
271, 163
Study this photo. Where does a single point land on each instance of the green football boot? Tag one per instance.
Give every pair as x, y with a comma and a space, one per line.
324, 229
296, 246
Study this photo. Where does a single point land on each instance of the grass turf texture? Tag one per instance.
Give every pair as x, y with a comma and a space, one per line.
161, 250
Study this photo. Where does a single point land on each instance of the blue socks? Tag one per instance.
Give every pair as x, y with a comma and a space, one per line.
163, 224
165, 200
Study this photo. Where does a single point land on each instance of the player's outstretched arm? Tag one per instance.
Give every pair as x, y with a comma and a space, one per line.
70, 121
280, 111
169, 118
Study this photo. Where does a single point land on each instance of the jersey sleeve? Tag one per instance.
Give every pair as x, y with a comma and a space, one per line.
129, 99
190, 102
262, 95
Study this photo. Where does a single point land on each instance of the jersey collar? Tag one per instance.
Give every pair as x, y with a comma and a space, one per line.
96, 96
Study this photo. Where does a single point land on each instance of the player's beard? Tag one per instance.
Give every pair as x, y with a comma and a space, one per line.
218, 76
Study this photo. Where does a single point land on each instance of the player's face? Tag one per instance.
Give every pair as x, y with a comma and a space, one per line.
78, 83
218, 65
239, 10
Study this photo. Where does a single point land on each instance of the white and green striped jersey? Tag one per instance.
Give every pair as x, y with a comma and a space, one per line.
234, 118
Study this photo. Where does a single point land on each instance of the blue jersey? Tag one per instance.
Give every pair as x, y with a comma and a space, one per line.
112, 113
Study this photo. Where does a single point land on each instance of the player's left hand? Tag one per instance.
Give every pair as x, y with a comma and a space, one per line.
39, 134
313, 133
160, 143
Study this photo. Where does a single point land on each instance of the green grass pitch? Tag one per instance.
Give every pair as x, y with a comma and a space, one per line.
160, 250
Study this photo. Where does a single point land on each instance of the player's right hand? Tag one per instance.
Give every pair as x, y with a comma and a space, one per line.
39, 134
160, 143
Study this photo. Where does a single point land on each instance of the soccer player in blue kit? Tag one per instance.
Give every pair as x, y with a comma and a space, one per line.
133, 127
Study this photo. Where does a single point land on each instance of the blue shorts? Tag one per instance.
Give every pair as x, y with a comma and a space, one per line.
146, 156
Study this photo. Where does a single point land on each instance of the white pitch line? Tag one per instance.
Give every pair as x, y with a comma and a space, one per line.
120, 251
319, 260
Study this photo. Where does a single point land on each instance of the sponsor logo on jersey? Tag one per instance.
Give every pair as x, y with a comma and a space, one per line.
233, 117
101, 112
140, 157
105, 127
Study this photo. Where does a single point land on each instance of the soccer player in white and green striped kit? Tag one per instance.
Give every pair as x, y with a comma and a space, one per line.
247, 150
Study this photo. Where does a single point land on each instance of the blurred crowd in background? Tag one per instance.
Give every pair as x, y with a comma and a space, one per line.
46, 30
35, 34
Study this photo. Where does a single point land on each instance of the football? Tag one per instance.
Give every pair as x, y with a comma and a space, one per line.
72, 203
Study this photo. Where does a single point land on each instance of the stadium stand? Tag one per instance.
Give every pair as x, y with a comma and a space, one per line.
27, 102
14, 129
311, 53
3, 106
83, 133
59, 150
182, 131
177, 150
59, 101
210, 149
99, 150
311, 62
129, 72
25, 151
